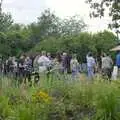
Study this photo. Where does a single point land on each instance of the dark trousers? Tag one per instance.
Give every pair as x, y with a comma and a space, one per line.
107, 72
27, 76
36, 77
21, 75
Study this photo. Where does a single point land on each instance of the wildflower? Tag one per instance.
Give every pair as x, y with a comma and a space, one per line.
42, 96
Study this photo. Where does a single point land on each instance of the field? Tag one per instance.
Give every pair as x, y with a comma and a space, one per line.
56, 99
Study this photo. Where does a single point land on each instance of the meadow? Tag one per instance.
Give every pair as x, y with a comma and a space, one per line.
56, 99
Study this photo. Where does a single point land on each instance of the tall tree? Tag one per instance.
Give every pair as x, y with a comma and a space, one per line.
72, 26
5, 49
5, 22
100, 7
80, 44
47, 25
5, 19
48, 22
1, 6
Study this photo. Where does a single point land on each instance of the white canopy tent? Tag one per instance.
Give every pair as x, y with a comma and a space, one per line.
117, 48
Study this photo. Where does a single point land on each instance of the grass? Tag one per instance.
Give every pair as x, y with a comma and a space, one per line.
60, 100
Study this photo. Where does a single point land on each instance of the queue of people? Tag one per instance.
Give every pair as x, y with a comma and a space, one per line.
26, 66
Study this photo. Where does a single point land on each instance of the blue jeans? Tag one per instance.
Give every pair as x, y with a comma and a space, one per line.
74, 73
90, 72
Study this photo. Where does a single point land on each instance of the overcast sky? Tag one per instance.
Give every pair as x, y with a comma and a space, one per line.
27, 11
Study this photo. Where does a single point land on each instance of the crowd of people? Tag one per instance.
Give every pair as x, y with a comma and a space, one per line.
26, 66
105, 68
109, 69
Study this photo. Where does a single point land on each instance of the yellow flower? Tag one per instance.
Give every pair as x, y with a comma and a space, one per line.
42, 96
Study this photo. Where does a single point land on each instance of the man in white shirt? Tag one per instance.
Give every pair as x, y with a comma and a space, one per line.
43, 62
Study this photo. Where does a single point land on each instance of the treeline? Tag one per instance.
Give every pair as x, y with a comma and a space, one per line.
79, 44
52, 34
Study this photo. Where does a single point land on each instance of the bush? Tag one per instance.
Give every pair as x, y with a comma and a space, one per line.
62, 101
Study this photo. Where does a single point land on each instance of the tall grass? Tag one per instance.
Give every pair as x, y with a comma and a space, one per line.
74, 100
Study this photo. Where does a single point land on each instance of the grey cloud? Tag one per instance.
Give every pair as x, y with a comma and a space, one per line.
25, 11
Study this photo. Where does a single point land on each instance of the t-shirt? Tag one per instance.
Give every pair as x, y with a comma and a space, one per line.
106, 62
90, 61
28, 65
44, 61
74, 64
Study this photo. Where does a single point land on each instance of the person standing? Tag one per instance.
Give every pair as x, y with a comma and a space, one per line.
36, 69
90, 65
118, 63
44, 64
15, 68
21, 68
69, 57
118, 60
10, 66
74, 65
64, 63
28, 69
107, 64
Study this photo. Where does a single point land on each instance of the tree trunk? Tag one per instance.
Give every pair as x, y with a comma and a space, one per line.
1, 6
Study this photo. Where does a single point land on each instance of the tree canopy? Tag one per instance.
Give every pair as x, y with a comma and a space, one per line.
99, 8
52, 34
5, 22
79, 44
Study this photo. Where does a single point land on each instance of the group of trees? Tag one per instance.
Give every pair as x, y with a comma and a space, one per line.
17, 38
53, 34
79, 44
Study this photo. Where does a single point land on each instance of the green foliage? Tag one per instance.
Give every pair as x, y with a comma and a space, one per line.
69, 100
99, 9
4, 45
5, 108
103, 41
72, 26
52, 34
5, 22
80, 44
49, 25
